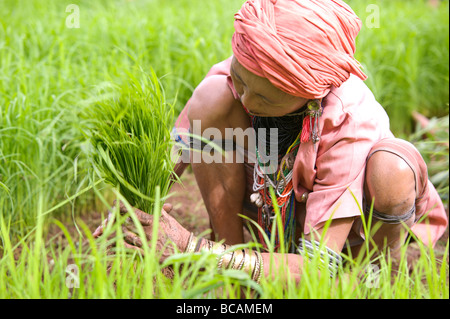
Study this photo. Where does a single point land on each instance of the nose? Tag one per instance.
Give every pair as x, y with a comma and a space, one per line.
246, 98
244, 95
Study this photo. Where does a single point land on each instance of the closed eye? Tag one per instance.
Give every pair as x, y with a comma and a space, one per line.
238, 79
265, 100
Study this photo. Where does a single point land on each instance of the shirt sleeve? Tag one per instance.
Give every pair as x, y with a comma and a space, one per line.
350, 128
338, 185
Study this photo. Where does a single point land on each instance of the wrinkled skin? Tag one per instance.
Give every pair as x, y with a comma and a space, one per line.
170, 231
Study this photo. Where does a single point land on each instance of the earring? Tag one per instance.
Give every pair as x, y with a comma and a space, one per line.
310, 127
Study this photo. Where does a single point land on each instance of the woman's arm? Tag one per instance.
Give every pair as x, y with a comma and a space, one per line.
171, 230
334, 239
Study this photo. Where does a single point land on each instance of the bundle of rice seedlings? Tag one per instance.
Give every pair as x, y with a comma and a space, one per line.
129, 133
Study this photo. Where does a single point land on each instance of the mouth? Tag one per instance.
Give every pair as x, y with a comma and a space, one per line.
250, 112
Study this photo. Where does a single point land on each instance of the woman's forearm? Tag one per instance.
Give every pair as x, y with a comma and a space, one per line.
282, 266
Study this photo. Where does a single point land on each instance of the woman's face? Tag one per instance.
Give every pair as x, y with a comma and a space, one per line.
259, 96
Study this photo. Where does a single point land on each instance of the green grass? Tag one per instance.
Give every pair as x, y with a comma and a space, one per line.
129, 139
433, 143
51, 74
41, 269
405, 57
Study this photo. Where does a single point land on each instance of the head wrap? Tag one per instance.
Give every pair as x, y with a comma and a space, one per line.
302, 47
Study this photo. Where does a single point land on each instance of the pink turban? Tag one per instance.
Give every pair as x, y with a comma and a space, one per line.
301, 46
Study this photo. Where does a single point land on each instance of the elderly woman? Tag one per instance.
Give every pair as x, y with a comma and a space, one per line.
293, 70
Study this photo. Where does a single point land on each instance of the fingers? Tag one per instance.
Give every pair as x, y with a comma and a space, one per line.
131, 238
99, 231
111, 249
144, 218
167, 207
133, 247
123, 209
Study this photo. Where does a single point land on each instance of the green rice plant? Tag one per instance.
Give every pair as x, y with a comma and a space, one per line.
432, 142
403, 47
104, 268
129, 134
34, 268
47, 71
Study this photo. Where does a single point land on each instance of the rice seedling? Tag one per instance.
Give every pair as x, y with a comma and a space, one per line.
130, 141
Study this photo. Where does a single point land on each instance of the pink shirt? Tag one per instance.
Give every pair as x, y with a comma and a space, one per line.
333, 172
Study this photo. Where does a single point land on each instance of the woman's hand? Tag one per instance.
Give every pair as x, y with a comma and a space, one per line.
170, 231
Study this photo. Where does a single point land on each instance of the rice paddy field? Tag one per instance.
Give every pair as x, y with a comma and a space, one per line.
65, 66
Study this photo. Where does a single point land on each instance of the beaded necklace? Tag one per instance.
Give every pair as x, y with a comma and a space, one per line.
305, 126
281, 182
